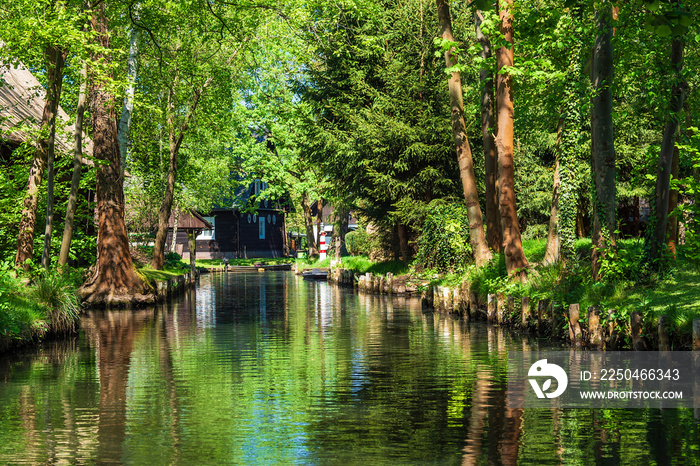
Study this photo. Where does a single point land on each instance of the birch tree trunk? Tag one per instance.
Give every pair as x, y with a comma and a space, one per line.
512, 243
128, 108
77, 167
464, 154
173, 240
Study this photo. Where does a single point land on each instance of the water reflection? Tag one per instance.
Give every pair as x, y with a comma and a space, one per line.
267, 368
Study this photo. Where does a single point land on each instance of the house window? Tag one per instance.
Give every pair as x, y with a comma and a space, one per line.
257, 187
255, 218
269, 219
261, 228
208, 234
274, 219
249, 218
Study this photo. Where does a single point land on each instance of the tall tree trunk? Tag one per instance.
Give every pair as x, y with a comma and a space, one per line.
173, 239
551, 253
285, 238
464, 154
114, 279
309, 225
25, 240
340, 229
512, 244
488, 126
404, 250
77, 167
672, 205
175, 138
663, 175
192, 245
128, 108
569, 137
602, 139
58, 57
166, 205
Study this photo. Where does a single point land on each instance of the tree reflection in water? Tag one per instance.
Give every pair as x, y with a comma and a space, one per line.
256, 368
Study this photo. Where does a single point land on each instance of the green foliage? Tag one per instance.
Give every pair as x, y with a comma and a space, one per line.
173, 260
444, 242
573, 146
689, 187
57, 295
360, 243
380, 127
363, 264
49, 304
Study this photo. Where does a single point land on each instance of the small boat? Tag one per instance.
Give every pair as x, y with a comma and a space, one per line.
315, 274
278, 267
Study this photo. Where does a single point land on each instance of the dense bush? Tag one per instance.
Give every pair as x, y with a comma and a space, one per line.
359, 242
444, 243
173, 260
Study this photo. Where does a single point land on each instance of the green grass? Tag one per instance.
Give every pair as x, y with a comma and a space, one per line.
152, 274
360, 264
677, 294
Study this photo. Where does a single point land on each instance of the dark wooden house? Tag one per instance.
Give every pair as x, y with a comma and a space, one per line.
250, 226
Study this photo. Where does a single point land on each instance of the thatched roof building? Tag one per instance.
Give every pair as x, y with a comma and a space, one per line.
22, 100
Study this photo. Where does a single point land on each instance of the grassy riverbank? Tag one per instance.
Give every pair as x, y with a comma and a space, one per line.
31, 309
360, 264
629, 286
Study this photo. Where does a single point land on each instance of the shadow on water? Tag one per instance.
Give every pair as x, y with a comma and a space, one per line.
268, 368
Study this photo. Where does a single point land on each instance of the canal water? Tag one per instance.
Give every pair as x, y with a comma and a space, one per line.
270, 369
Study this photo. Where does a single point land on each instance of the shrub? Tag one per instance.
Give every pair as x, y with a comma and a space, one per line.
359, 242
173, 260
538, 231
173, 257
444, 243
59, 298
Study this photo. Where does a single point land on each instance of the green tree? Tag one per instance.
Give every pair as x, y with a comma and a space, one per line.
464, 155
114, 278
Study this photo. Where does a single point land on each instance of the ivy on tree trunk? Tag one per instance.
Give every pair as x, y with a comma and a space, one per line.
602, 140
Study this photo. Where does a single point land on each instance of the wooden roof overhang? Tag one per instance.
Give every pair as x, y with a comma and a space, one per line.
189, 220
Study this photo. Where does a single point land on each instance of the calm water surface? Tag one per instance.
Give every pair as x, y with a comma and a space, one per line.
270, 369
